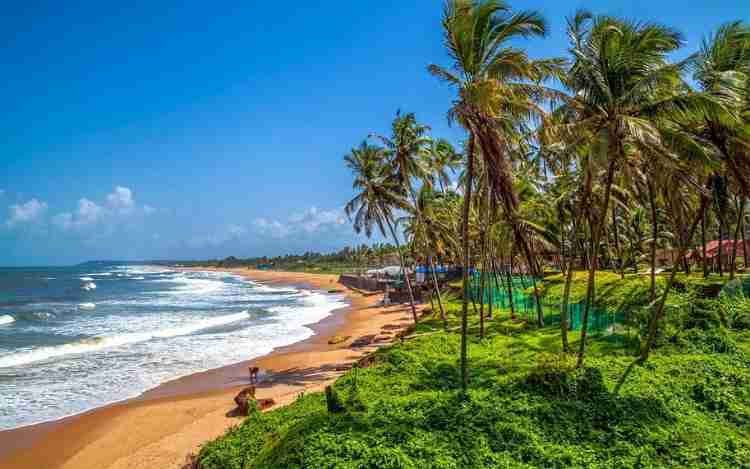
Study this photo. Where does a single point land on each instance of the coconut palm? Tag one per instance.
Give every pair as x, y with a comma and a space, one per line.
407, 150
429, 234
497, 94
722, 69
620, 82
443, 159
378, 196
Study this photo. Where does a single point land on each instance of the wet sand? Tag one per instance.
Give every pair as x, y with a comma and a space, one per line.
163, 426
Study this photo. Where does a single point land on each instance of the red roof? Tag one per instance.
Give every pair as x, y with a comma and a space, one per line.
712, 249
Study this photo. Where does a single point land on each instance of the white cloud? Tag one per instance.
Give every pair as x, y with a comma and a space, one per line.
309, 221
121, 200
223, 235
313, 219
118, 205
88, 213
29, 212
272, 228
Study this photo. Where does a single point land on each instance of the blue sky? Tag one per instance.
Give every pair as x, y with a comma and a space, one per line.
154, 129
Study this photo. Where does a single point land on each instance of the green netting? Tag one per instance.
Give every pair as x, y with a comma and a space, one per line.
600, 319
524, 304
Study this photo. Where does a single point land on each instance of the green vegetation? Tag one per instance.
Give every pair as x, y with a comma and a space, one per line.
348, 259
605, 165
527, 404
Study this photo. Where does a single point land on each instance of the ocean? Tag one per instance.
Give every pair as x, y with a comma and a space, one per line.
76, 338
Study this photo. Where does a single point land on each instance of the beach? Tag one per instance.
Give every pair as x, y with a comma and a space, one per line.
163, 426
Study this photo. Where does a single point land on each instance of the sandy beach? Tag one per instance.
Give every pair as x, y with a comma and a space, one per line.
162, 427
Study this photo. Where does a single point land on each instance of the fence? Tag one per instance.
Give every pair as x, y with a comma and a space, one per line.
521, 295
362, 283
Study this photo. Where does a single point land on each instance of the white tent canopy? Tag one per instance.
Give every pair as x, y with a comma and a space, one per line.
392, 270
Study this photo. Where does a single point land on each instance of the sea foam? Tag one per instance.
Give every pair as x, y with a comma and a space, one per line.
6, 319
98, 343
88, 286
86, 306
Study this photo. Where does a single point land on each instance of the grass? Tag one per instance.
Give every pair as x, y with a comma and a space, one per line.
527, 406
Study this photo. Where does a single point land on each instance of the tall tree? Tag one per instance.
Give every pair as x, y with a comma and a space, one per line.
498, 92
444, 159
378, 195
620, 79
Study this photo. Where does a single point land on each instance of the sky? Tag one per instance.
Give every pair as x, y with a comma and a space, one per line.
195, 130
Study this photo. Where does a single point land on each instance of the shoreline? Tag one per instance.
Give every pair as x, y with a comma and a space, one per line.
176, 417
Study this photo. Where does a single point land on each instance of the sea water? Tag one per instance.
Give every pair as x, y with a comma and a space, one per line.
76, 338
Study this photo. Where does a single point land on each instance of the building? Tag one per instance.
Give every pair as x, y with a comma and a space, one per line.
712, 252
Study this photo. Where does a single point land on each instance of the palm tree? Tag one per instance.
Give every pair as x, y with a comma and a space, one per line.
407, 150
718, 131
378, 195
443, 158
722, 70
429, 235
620, 81
496, 92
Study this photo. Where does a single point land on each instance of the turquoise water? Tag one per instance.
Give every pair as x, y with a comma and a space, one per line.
75, 338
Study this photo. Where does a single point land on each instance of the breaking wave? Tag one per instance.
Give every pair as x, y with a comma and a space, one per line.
98, 343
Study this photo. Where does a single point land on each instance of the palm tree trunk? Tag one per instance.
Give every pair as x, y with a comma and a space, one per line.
595, 239
533, 271
654, 235
721, 245
482, 284
403, 269
561, 222
659, 311
703, 245
483, 280
660, 308
437, 292
493, 279
510, 279
566, 291
493, 282
617, 241
733, 264
508, 282
744, 237
466, 260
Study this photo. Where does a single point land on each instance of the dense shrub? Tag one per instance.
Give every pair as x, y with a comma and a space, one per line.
715, 340
527, 405
736, 311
